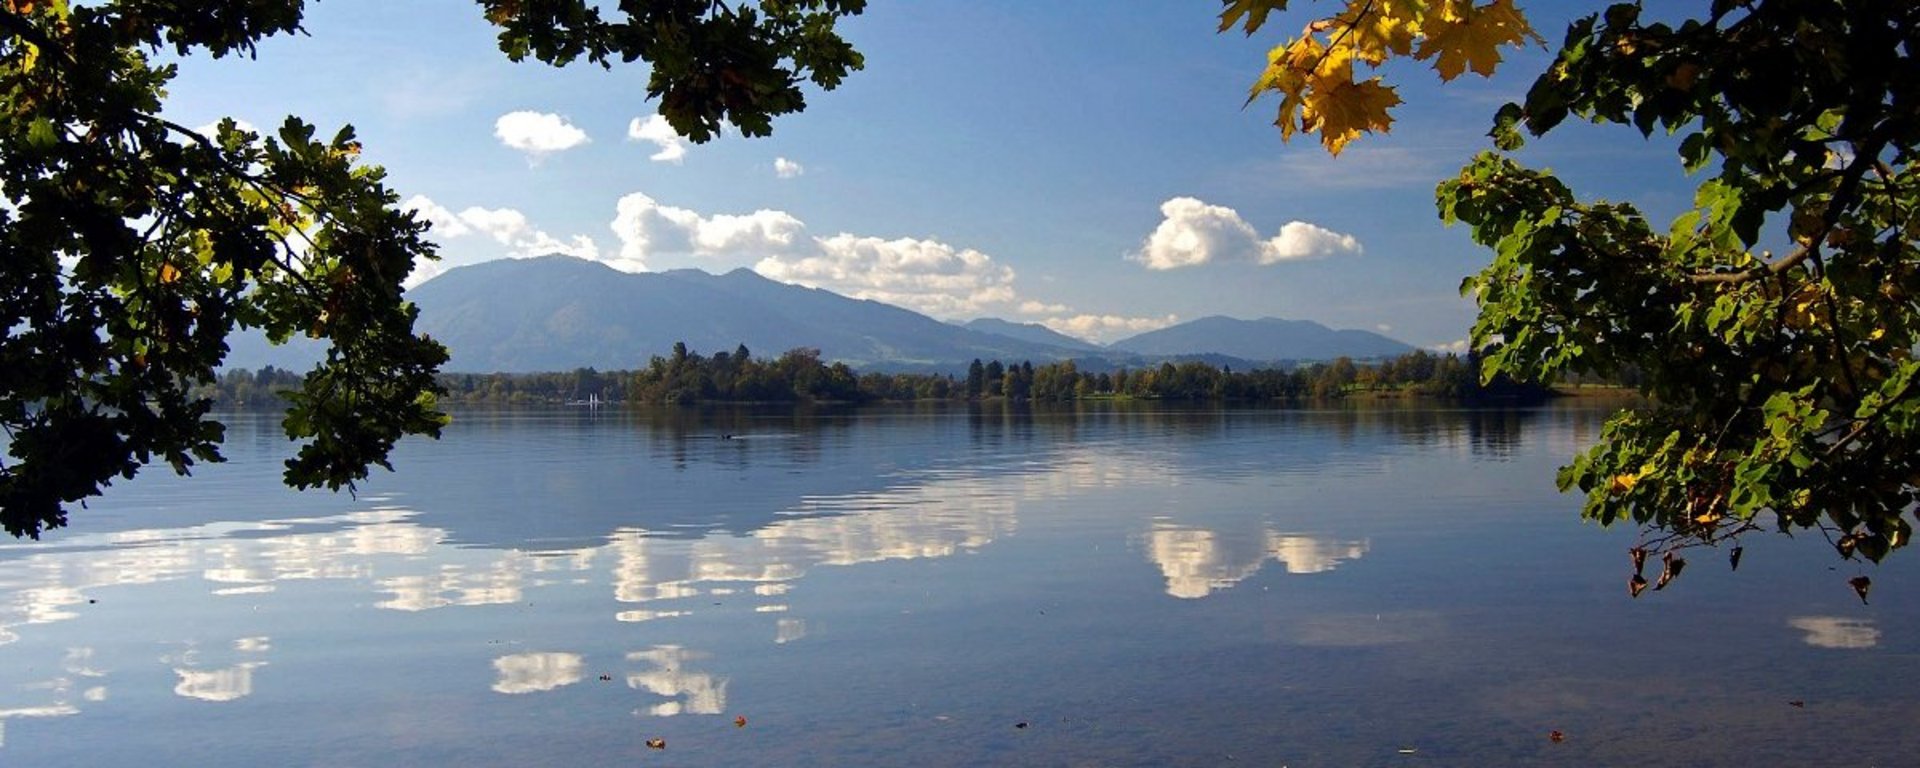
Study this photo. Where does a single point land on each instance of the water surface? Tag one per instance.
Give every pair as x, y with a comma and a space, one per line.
1099, 585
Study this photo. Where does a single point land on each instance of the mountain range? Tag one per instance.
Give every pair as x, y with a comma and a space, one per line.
557, 313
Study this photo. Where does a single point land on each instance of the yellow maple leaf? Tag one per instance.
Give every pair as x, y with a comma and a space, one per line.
1467, 37
1377, 31
1333, 66
1254, 11
1344, 111
1288, 68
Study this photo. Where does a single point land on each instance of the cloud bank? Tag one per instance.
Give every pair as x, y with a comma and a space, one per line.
1192, 232
921, 274
505, 226
924, 275
1107, 328
927, 276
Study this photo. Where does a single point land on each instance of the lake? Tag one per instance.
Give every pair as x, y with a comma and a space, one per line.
1106, 584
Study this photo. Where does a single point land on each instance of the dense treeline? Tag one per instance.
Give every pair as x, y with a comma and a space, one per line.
800, 375
797, 376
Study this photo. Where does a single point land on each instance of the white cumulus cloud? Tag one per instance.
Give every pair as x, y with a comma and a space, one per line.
645, 227
537, 133
445, 222
924, 275
1193, 232
510, 228
787, 169
1300, 240
656, 130
504, 225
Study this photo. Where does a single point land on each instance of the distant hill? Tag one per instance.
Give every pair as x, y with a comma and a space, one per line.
559, 313
1266, 339
1031, 332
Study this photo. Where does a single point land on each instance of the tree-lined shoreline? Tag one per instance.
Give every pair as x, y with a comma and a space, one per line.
688, 377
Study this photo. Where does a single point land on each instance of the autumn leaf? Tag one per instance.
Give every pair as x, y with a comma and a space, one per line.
1380, 32
1254, 11
657, 744
168, 274
740, 721
1671, 570
1289, 68
1860, 586
1472, 39
1347, 110
1313, 73
1622, 483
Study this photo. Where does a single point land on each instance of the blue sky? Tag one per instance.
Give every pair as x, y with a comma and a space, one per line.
1033, 161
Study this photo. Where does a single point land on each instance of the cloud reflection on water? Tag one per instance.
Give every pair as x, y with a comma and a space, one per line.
534, 672
1198, 561
1837, 632
930, 513
226, 684
688, 693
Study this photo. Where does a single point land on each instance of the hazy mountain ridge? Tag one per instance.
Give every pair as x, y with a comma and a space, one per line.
1031, 332
1266, 339
558, 313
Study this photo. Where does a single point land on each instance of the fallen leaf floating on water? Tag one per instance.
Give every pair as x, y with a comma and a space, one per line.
740, 721
1797, 704
1639, 555
1021, 724
1733, 558
658, 744
1556, 737
1860, 586
1670, 568
1408, 750
606, 678
1636, 585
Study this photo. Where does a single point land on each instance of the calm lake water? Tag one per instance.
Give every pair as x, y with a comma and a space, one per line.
934, 586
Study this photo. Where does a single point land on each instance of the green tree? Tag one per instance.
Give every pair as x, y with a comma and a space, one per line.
1773, 324
1783, 382
995, 378
132, 246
